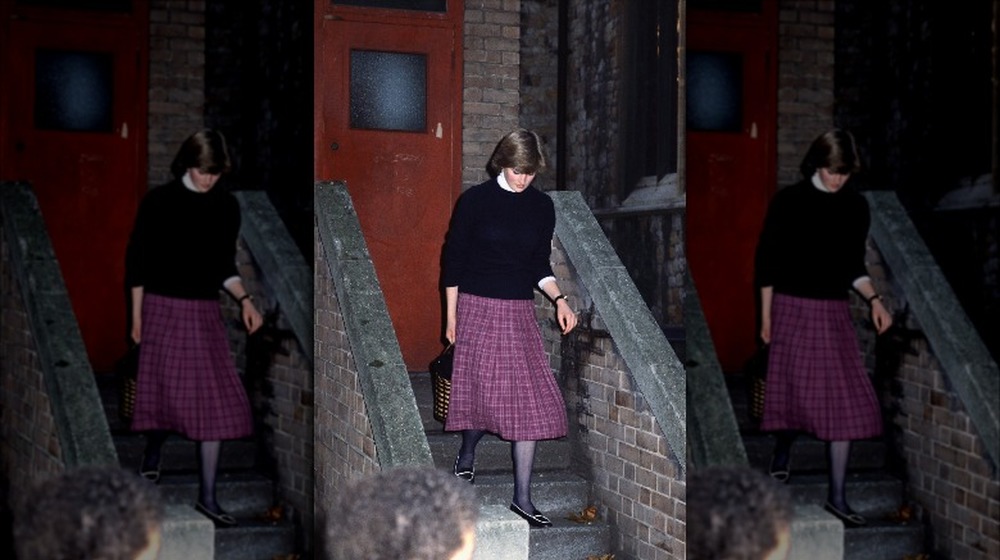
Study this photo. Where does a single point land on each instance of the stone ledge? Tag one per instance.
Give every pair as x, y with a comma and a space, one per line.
289, 276
816, 535
186, 534
392, 408
958, 347
84, 435
500, 535
657, 372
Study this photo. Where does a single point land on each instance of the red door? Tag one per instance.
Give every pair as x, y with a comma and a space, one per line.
388, 124
74, 127
731, 96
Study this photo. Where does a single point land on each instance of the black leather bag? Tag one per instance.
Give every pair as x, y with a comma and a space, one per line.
127, 371
440, 370
756, 376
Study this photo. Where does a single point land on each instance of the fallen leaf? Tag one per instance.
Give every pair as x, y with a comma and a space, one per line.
902, 515
586, 516
275, 514
602, 557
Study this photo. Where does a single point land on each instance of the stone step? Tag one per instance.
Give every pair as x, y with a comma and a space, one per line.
809, 454
255, 539
493, 453
874, 494
180, 454
555, 493
883, 540
568, 540
242, 494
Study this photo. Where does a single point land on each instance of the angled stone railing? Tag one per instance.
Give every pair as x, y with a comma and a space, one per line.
963, 356
274, 251
43, 361
943, 387
69, 386
713, 435
655, 369
372, 347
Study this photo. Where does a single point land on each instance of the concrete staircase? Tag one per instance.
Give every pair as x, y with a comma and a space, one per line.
872, 490
556, 490
242, 488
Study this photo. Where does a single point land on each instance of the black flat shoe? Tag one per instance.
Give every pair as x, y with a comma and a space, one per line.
464, 473
850, 518
151, 474
781, 474
535, 519
221, 519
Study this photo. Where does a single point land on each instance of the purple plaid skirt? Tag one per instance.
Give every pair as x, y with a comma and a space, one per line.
187, 382
501, 378
816, 381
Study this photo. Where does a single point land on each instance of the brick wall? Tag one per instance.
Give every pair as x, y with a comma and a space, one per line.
28, 435
593, 99
278, 376
344, 443
491, 97
622, 449
176, 80
651, 245
805, 80
539, 78
955, 489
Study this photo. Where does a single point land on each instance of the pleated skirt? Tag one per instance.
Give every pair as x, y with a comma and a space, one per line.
187, 381
501, 378
816, 380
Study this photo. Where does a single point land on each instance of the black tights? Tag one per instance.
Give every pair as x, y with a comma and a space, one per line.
208, 465
838, 453
522, 453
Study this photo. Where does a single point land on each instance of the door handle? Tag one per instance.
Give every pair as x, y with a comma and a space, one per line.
19, 146
334, 146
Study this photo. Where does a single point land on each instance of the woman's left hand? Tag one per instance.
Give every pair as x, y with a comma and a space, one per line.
251, 317
565, 316
881, 317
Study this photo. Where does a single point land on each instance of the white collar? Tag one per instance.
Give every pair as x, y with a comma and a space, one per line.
818, 183
186, 179
503, 183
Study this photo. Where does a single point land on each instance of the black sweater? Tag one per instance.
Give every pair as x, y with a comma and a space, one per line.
183, 243
813, 242
499, 242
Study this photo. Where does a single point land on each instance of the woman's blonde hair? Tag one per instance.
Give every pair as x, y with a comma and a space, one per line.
520, 150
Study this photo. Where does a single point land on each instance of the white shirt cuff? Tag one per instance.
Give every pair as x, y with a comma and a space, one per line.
544, 281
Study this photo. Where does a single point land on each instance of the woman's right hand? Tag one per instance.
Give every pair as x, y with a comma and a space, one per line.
765, 330
766, 296
449, 332
136, 333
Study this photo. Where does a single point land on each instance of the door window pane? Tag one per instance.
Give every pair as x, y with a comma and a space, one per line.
388, 91
73, 91
414, 5
714, 91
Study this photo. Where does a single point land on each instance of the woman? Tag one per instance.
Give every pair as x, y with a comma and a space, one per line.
810, 255
181, 253
496, 254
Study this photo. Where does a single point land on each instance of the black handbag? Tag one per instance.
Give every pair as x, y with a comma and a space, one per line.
756, 376
440, 370
127, 371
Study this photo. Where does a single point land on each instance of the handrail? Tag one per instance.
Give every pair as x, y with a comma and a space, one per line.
958, 347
